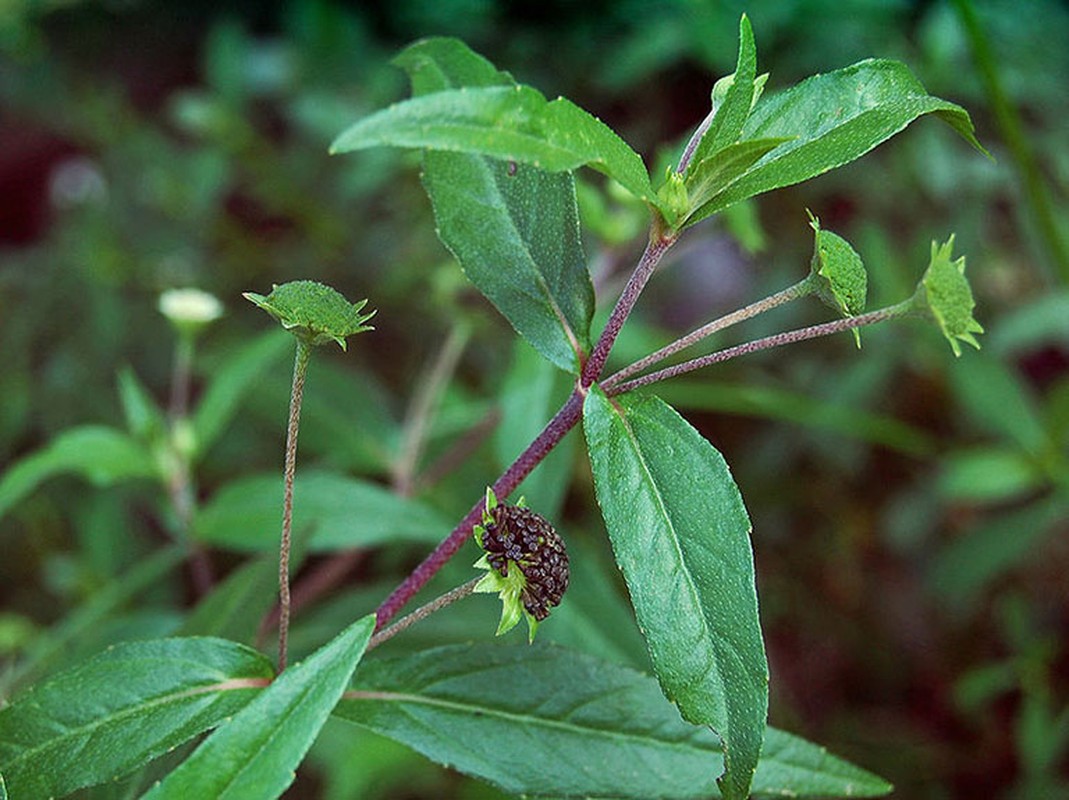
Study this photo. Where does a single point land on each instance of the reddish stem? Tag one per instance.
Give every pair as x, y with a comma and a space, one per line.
550, 436
555, 430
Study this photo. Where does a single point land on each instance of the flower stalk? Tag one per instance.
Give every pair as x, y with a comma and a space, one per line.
300, 370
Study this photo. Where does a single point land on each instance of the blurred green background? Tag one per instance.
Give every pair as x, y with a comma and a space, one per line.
910, 510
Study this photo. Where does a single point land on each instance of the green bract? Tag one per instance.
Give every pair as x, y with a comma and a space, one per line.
508, 588
314, 313
944, 293
840, 276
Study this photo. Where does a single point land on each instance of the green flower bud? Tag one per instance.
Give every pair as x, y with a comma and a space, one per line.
314, 313
944, 293
836, 268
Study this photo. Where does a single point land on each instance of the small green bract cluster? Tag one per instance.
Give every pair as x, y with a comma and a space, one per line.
945, 294
526, 561
314, 313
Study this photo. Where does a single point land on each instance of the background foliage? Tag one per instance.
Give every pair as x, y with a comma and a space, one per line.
909, 513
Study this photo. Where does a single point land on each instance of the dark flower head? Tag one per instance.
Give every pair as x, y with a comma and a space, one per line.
527, 562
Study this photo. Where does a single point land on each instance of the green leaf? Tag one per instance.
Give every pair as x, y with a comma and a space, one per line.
731, 115
712, 175
256, 753
439, 63
3, 787
839, 274
532, 268
101, 455
144, 418
546, 721
338, 511
969, 563
680, 534
84, 621
122, 708
832, 119
511, 123
945, 294
988, 475
515, 231
235, 607
314, 313
234, 378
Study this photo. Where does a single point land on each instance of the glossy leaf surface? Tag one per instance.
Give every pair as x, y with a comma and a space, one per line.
546, 721
680, 534
122, 708
256, 753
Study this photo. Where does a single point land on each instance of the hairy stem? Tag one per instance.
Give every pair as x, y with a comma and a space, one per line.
423, 612
695, 140
300, 369
768, 342
800, 289
655, 250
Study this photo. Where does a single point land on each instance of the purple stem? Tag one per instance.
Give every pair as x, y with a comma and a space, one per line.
776, 340
656, 248
550, 436
555, 430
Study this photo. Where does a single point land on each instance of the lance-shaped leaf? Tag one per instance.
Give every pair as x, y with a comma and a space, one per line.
728, 119
832, 119
256, 753
515, 231
513, 228
512, 123
680, 534
547, 721
121, 709
712, 175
